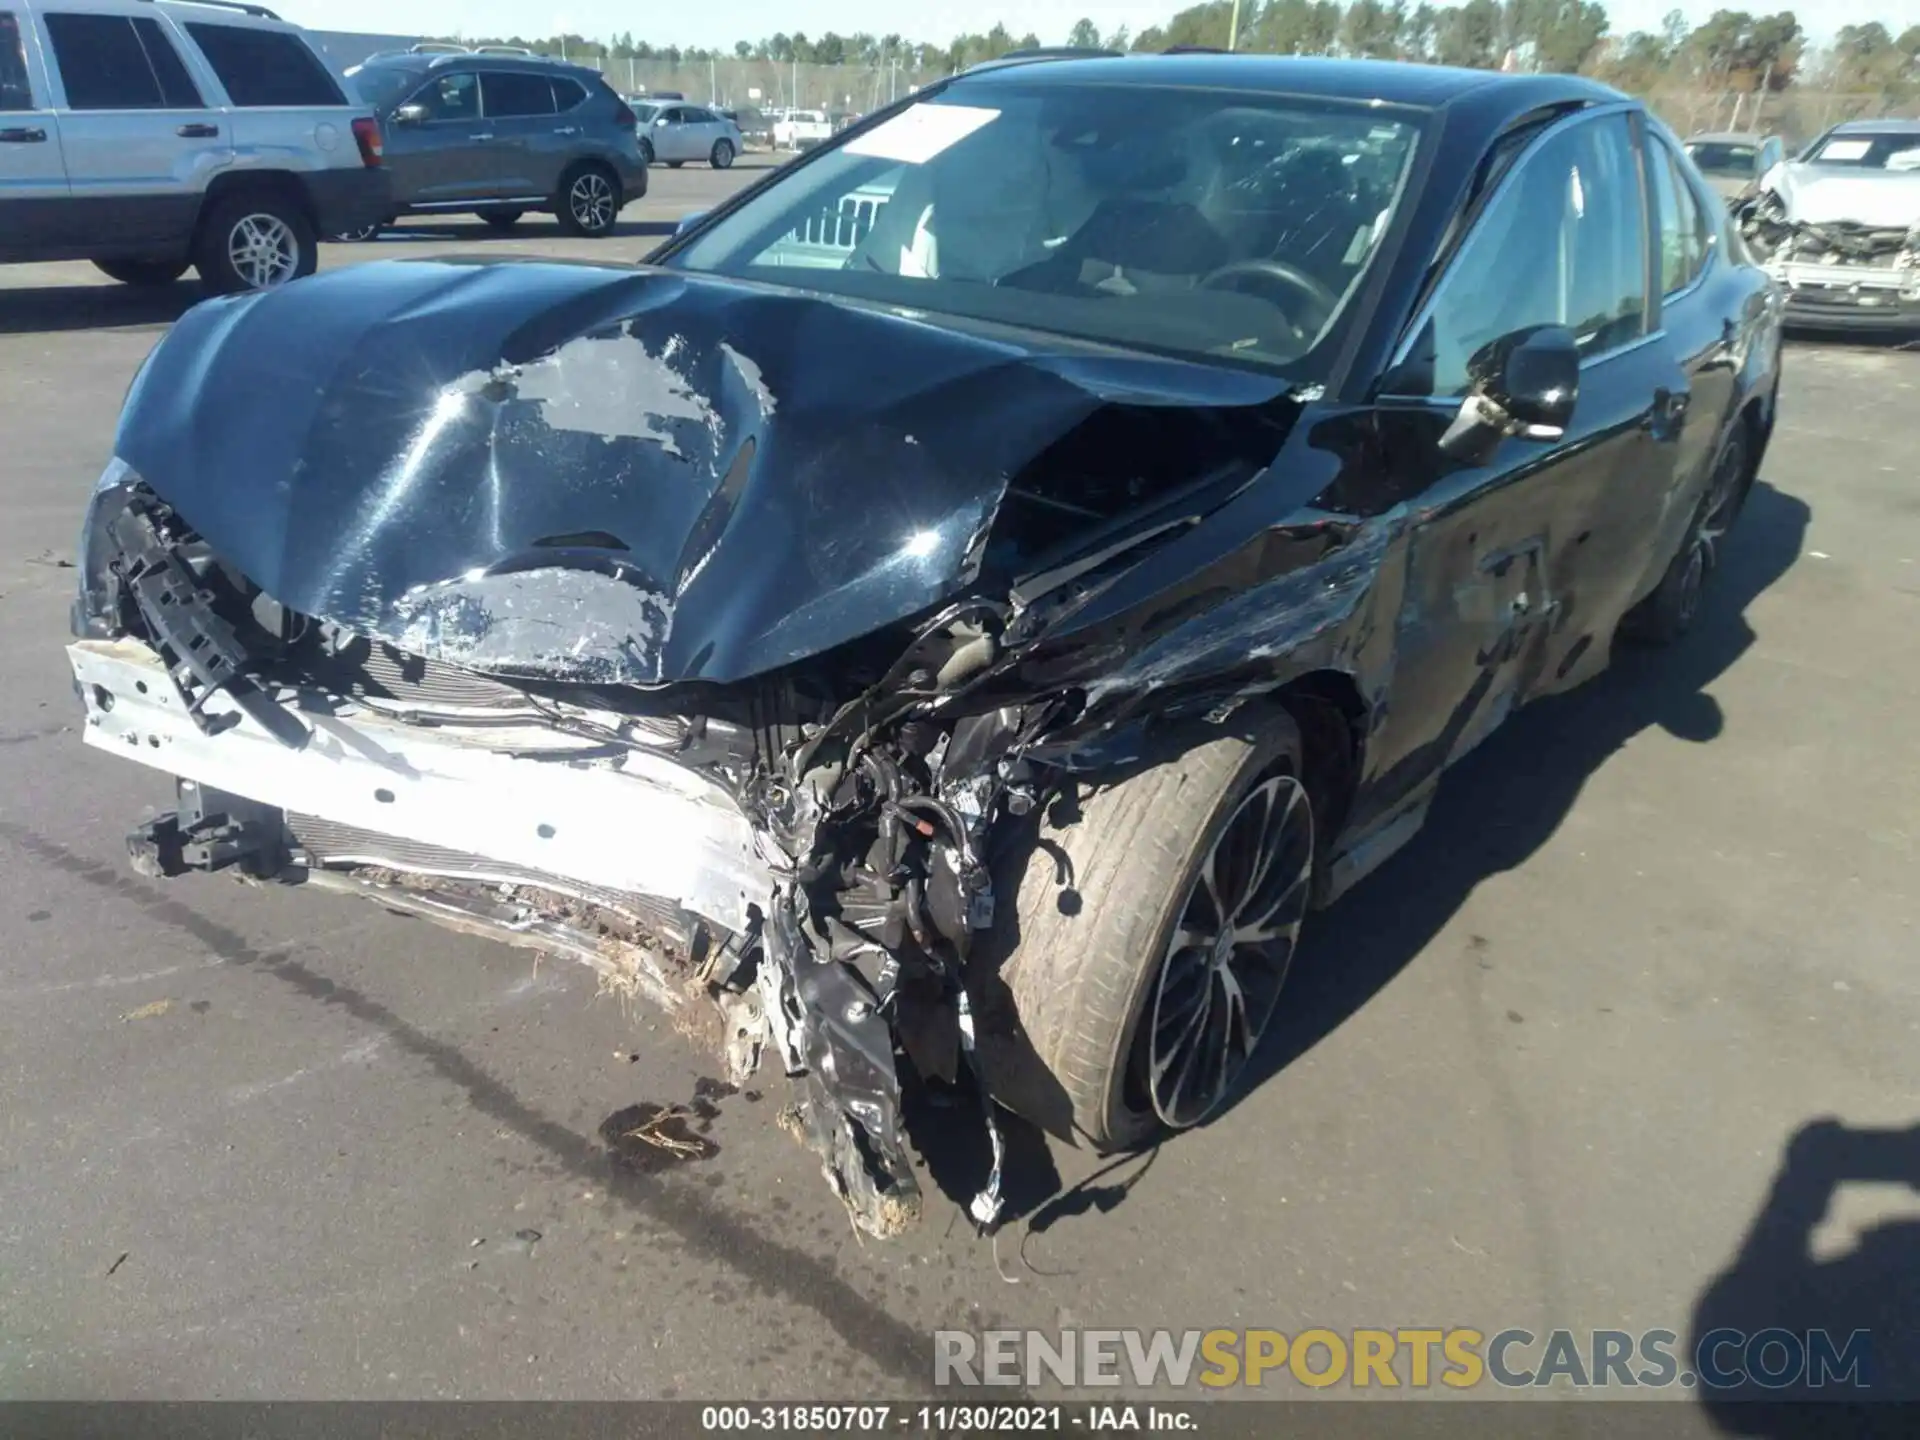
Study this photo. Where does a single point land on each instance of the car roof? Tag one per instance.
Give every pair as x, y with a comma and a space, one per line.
424, 61
1385, 81
1878, 127
184, 11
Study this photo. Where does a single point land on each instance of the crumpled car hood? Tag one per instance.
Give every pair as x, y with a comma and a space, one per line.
607, 475
1832, 194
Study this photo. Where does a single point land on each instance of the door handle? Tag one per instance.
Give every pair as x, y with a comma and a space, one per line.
24, 135
568, 130
197, 132
1668, 410
484, 135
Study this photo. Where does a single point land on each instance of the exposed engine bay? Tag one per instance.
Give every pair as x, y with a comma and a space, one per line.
1839, 240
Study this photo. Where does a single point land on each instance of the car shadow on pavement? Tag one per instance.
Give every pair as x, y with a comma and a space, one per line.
1504, 801
1817, 1305
47, 309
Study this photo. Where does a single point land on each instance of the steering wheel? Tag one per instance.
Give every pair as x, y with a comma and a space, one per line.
1321, 302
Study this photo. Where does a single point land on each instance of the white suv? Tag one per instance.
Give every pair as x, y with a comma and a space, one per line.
151, 135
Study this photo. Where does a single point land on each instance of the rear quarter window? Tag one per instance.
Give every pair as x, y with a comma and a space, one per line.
264, 69
568, 94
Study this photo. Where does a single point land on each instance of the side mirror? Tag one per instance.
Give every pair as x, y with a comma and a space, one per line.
1522, 384
410, 115
687, 222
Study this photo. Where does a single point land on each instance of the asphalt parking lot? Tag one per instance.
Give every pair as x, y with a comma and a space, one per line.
1544, 1070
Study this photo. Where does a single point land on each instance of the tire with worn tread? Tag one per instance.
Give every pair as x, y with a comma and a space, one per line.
1079, 961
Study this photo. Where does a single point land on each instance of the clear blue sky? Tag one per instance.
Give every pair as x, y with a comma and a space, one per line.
932, 20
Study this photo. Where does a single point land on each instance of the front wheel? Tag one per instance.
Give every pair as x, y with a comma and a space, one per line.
722, 155
1154, 925
588, 202
646, 152
254, 242
142, 272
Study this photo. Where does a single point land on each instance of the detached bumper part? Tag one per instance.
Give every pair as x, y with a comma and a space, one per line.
210, 831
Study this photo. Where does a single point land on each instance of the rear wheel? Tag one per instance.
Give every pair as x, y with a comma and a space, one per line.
1136, 991
1669, 612
722, 155
588, 202
254, 241
142, 272
501, 219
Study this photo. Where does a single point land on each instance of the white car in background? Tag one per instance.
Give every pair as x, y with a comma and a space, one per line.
801, 130
677, 132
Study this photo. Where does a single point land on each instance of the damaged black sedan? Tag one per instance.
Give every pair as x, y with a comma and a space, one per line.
958, 607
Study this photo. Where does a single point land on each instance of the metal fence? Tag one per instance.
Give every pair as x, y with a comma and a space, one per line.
765, 84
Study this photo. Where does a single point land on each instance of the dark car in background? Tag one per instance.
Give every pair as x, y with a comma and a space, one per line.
1733, 162
962, 604
500, 135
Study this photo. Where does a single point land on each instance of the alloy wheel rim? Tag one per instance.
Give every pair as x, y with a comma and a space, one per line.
1722, 497
1220, 980
592, 202
723, 154
263, 251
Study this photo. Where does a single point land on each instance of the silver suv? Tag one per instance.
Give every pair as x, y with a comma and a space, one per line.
152, 135
499, 134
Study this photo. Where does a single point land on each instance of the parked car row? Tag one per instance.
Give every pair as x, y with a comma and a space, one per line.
153, 137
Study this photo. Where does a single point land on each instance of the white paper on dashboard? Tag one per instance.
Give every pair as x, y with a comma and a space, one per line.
915, 136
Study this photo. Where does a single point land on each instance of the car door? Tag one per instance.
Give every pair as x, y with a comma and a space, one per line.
34, 213
1701, 320
703, 128
141, 142
670, 140
529, 151
1511, 585
439, 149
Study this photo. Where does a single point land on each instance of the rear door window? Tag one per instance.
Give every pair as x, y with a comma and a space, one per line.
265, 69
110, 62
1684, 236
511, 93
15, 92
14, 89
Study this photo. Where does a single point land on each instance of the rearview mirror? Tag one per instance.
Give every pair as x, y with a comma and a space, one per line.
410, 115
1522, 384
